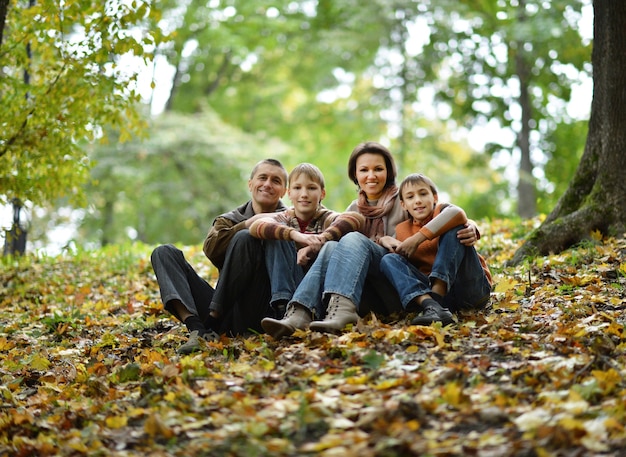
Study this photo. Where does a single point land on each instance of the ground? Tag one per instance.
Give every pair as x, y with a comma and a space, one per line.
89, 367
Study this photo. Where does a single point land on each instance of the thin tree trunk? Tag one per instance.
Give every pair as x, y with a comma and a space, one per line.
4, 10
526, 198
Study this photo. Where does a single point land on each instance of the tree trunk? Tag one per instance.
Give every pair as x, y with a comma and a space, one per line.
4, 10
526, 198
596, 197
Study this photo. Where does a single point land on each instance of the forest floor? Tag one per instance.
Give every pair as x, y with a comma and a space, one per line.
88, 366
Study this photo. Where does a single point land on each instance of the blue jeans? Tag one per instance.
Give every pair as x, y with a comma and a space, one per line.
344, 267
282, 265
455, 264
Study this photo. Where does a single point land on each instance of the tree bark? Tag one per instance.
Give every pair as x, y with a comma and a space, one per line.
526, 198
596, 197
4, 10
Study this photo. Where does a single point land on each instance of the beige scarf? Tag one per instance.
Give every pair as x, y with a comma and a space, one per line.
374, 225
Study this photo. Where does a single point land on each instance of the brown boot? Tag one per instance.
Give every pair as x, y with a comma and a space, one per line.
341, 312
296, 317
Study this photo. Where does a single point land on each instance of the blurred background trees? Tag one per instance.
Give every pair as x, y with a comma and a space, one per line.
477, 94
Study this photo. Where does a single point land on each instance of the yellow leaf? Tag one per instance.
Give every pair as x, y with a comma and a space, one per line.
154, 426
39, 363
607, 379
5, 344
569, 423
596, 235
357, 379
412, 349
453, 394
506, 285
388, 384
116, 421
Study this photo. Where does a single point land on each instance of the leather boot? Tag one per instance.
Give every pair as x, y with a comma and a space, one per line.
296, 317
340, 312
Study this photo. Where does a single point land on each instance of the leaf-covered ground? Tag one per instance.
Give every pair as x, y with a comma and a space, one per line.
88, 367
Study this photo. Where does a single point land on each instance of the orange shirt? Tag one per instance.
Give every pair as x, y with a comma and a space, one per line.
444, 218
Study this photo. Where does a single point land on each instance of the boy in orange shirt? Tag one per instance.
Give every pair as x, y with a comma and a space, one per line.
430, 268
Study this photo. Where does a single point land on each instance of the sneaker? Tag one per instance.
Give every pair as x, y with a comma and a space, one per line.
193, 342
433, 312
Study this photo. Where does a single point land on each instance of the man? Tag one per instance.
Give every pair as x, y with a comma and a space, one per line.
241, 297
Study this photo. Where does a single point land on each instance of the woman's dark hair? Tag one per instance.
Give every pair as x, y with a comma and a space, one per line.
371, 147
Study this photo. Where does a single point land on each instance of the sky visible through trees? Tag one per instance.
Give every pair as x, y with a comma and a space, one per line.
161, 74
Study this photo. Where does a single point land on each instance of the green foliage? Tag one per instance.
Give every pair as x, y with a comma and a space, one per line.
169, 187
479, 54
70, 86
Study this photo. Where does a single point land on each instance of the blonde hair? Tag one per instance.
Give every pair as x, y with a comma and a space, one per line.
310, 171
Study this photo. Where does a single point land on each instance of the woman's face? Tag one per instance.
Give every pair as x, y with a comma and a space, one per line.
371, 174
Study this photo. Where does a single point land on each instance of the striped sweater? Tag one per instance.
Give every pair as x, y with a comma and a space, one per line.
330, 224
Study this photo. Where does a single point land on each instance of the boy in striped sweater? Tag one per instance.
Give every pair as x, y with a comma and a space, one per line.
293, 237
431, 270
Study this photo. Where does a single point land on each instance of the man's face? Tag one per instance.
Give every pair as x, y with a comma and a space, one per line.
267, 186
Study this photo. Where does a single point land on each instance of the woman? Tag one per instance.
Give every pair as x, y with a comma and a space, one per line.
334, 285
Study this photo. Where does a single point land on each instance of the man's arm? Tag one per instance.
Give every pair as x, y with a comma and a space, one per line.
219, 237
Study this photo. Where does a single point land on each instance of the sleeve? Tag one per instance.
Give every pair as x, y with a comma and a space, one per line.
449, 217
343, 223
269, 228
219, 237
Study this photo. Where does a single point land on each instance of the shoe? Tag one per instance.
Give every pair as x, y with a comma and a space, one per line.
296, 317
433, 312
193, 342
340, 312
279, 308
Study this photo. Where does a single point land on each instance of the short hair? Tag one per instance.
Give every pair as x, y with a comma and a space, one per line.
272, 162
417, 178
310, 171
372, 147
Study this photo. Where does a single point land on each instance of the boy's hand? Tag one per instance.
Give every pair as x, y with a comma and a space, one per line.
389, 243
469, 235
408, 246
305, 255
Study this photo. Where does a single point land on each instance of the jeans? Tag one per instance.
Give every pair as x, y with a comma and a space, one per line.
455, 264
345, 267
285, 274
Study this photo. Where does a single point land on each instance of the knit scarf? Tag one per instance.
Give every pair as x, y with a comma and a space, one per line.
374, 225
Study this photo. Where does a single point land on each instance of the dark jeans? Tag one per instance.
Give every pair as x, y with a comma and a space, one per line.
242, 292
178, 280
